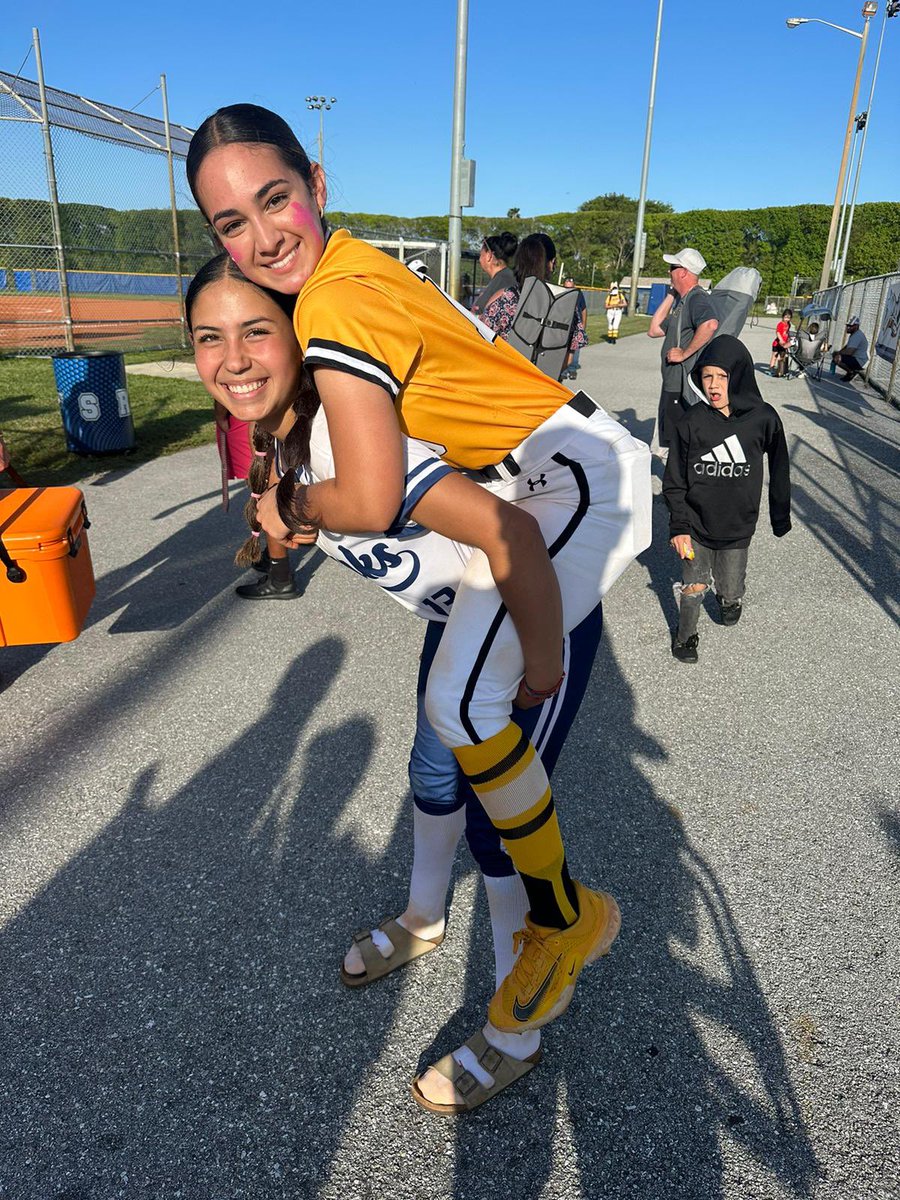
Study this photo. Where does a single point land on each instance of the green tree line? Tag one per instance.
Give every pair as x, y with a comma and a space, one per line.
597, 240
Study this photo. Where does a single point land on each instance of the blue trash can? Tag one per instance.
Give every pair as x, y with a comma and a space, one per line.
93, 401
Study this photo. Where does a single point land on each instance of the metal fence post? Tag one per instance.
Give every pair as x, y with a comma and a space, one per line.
54, 199
889, 393
877, 326
176, 241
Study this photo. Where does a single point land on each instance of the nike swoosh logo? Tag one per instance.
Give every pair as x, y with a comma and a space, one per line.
524, 1012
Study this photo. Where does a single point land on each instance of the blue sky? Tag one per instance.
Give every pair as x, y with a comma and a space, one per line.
748, 113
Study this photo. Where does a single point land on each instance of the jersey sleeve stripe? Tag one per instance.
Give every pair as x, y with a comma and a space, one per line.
321, 353
436, 471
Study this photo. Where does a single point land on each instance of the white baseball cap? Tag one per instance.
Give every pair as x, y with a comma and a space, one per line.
691, 260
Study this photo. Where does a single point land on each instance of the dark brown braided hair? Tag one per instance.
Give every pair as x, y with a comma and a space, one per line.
295, 448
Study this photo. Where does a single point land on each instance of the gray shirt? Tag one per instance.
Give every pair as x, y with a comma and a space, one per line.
858, 345
696, 308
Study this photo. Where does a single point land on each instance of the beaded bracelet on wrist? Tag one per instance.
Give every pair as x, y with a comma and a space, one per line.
534, 694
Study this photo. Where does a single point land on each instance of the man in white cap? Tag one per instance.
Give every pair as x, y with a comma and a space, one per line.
687, 320
854, 354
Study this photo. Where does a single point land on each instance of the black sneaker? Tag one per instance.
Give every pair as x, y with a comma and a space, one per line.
265, 589
730, 613
686, 652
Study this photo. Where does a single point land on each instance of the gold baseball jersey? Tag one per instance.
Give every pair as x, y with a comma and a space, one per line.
454, 384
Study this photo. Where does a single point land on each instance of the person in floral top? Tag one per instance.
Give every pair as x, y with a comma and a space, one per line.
536, 256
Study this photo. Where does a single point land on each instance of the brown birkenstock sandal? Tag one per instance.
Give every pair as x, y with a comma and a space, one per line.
406, 948
502, 1068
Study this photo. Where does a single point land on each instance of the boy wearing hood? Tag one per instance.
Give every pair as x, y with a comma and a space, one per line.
713, 484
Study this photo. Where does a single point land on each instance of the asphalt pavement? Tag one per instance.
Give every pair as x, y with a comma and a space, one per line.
202, 798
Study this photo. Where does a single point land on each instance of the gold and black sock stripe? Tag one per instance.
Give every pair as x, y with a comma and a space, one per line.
509, 779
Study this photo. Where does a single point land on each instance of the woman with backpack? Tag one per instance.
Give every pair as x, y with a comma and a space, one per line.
497, 253
537, 258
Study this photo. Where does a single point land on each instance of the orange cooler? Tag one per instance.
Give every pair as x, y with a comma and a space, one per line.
46, 576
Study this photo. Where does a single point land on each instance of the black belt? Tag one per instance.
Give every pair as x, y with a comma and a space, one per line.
582, 404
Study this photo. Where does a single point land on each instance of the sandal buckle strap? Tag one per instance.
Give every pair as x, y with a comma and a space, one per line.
491, 1060
466, 1083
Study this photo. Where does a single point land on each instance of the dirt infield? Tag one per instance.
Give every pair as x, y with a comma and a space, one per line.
34, 322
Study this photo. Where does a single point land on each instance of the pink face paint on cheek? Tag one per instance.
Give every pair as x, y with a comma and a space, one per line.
302, 216
235, 257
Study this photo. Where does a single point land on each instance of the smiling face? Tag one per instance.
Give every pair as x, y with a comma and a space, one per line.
264, 214
715, 385
246, 354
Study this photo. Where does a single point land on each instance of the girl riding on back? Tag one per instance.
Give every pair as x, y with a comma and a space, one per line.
553, 495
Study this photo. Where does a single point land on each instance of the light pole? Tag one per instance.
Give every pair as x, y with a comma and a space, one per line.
458, 139
870, 8
320, 103
639, 230
892, 9
859, 122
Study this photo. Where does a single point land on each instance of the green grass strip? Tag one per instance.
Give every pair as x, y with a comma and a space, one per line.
169, 415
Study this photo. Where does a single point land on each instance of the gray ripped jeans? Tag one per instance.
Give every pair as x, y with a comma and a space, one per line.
729, 570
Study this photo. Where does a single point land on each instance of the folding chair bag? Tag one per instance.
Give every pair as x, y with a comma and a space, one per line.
732, 298
543, 325
46, 575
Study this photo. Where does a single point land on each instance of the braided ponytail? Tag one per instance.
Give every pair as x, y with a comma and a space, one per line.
295, 453
258, 479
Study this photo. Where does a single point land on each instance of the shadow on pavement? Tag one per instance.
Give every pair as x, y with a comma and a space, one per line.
179, 1026
634, 1072
641, 429
851, 502
662, 566
172, 995
889, 820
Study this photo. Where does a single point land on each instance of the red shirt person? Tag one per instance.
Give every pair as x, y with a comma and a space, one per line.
782, 338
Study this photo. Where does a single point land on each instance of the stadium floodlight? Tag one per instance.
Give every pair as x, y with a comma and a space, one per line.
321, 104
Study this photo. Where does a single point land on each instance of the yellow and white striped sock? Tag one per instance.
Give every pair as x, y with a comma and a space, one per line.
509, 779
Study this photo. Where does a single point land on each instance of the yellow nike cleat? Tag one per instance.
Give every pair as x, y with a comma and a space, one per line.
540, 986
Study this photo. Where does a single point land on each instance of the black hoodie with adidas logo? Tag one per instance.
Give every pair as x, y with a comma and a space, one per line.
714, 474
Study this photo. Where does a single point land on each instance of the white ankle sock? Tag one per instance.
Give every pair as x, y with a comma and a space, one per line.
508, 904
434, 848
435, 839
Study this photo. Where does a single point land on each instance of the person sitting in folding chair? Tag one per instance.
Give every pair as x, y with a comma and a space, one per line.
808, 349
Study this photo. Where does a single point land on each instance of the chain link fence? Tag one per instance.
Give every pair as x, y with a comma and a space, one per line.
99, 235
876, 301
